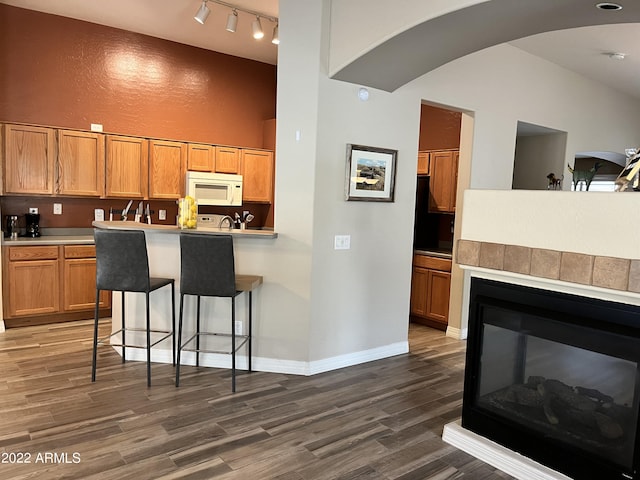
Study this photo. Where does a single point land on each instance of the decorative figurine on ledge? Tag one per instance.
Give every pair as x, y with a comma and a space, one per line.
585, 176
624, 180
555, 183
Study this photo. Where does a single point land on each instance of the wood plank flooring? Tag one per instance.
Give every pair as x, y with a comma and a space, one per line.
379, 420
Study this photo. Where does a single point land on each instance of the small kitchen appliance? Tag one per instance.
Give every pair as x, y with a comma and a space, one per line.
33, 224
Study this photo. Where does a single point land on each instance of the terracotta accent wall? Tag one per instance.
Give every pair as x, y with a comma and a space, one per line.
68, 73
439, 128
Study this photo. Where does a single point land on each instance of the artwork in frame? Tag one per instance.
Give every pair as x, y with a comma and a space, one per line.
371, 173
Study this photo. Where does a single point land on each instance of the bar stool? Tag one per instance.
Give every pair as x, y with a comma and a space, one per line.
122, 265
207, 270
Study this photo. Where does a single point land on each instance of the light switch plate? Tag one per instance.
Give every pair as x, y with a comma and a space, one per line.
342, 242
57, 209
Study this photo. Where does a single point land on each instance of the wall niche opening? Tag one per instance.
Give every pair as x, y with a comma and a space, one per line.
540, 151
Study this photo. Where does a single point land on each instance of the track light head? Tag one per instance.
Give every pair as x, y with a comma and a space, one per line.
203, 13
232, 21
257, 29
275, 39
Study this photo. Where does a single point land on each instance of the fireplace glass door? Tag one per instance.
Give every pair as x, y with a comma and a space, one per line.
554, 377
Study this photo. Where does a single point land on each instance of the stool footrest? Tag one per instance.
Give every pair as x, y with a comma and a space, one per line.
240, 341
102, 340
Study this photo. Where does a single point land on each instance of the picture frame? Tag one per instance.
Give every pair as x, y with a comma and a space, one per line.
371, 174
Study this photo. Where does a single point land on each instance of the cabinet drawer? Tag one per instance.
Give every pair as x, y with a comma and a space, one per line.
79, 251
433, 263
45, 252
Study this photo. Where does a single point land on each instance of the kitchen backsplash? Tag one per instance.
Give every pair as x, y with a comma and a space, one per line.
79, 212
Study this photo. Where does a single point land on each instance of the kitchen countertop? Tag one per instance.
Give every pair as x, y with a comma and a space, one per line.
173, 229
438, 253
49, 240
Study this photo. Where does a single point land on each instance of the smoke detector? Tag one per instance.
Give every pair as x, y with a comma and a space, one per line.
617, 56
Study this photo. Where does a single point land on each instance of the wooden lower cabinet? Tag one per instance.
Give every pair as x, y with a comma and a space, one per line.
50, 284
430, 287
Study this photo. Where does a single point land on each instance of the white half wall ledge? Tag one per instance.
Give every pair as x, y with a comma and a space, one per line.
465, 31
513, 463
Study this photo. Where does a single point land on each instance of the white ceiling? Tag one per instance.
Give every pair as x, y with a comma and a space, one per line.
582, 50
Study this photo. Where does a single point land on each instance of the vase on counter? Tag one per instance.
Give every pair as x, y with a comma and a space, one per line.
187, 213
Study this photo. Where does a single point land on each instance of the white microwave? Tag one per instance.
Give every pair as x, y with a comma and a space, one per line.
215, 188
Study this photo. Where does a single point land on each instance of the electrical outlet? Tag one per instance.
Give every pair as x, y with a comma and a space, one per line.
162, 214
57, 209
33, 210
342, 242
238, 327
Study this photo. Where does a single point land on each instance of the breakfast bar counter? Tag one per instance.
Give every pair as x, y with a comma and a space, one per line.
163, 250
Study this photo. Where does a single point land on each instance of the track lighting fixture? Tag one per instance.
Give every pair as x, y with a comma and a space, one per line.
256, 27
203, 13
232, 19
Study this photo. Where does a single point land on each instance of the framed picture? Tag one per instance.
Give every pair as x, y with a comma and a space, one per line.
371, 173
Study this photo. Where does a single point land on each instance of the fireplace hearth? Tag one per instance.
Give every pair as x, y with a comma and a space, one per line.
555, 377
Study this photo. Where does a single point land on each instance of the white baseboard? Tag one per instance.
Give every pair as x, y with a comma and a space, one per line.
272, 365
496, 455
457, 333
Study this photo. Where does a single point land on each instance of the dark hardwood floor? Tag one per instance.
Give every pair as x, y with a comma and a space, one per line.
379, 420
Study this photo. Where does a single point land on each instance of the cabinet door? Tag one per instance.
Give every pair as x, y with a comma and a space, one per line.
419, 281
201, 158
423, 163
442, 181
257, 176
80, 285
29, 160
167, 168
126, 167
439, 285
79, 274
80, 163
227, 160
34, 287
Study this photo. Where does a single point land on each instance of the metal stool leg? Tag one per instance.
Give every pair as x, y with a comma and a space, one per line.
198, 332
179, 340
148, 342
122, 326
233, 344
250, 322
95, 339
173, 323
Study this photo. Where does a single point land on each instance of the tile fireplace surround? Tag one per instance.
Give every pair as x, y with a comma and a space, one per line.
593, 270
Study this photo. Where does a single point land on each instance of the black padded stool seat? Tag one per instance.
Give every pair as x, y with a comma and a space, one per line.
122, 265
207, 270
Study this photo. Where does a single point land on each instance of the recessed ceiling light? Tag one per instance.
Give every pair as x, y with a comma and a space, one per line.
609, 6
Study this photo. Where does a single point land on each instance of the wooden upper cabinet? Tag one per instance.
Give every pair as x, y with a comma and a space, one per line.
201, 158
423, 163
29, 158
257, 176
167, 169
80, 163
127, 167
443, 184
227, 160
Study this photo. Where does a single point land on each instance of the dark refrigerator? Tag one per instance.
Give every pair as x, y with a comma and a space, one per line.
425, 233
